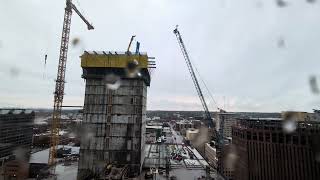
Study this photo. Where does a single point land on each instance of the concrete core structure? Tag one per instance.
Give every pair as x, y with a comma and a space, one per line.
114, 113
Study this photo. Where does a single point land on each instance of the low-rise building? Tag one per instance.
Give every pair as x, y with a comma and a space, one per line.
210, 154
191, 134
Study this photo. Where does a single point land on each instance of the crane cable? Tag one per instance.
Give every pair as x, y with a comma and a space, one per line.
205, 85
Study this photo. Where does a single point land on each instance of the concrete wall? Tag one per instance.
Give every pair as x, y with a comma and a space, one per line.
114, 126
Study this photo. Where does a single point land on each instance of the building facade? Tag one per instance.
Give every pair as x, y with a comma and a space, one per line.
210, 154
16, 130
114, 113
265, 151
229, 120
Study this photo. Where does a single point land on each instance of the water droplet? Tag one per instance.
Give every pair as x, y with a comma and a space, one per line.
314, 85
86, 133
75, 41
259, 4
281, 42
72, 135
112, 81
289, 125
20, 153
132, 68
14, 72
311, 1
281, 3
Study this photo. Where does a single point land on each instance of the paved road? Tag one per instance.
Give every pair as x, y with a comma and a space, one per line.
179, 139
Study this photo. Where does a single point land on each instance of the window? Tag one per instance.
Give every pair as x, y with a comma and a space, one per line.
109, 99
281, 138
288, 139
109, 109
260, 136
274, 138
137, 120
295, 140
107, 143
254, 136
137, 133
267, 136
108, 130
303, 140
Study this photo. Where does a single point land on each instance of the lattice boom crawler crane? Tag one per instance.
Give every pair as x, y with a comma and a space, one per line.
208, 118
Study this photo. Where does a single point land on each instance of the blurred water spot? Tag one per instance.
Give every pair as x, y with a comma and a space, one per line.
281, 43
289, 124
132, 68
314, 85
311, 1
86, 133
75, 41
20, 153
14, 72
72, 135
202, 137
259, 4
281, 3
231, 157
112, 81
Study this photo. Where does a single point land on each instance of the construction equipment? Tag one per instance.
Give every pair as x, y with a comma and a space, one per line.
208, 117
60, 81
137, 47
219, 131
128, 49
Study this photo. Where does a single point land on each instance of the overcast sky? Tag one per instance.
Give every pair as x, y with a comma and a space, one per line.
252, 54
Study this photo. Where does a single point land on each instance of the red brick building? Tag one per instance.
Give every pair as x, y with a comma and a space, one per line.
264, 151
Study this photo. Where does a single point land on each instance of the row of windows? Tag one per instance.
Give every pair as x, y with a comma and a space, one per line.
275, 137
135, 146
274, 160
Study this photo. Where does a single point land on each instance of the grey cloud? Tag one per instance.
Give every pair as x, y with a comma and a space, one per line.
233, 44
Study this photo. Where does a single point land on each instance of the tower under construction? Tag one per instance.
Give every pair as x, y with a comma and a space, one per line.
114, 113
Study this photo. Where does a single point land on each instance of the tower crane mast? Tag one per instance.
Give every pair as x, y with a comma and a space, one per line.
60, 81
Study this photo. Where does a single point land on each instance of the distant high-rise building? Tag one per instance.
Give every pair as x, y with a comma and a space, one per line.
229, 119
114, 113
16, 130
273, 148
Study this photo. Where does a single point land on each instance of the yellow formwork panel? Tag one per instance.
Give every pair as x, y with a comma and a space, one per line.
116, 61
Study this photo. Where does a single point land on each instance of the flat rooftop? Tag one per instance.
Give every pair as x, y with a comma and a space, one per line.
112, 59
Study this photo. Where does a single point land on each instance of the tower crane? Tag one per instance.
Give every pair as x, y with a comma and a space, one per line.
60, 81
208, 118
